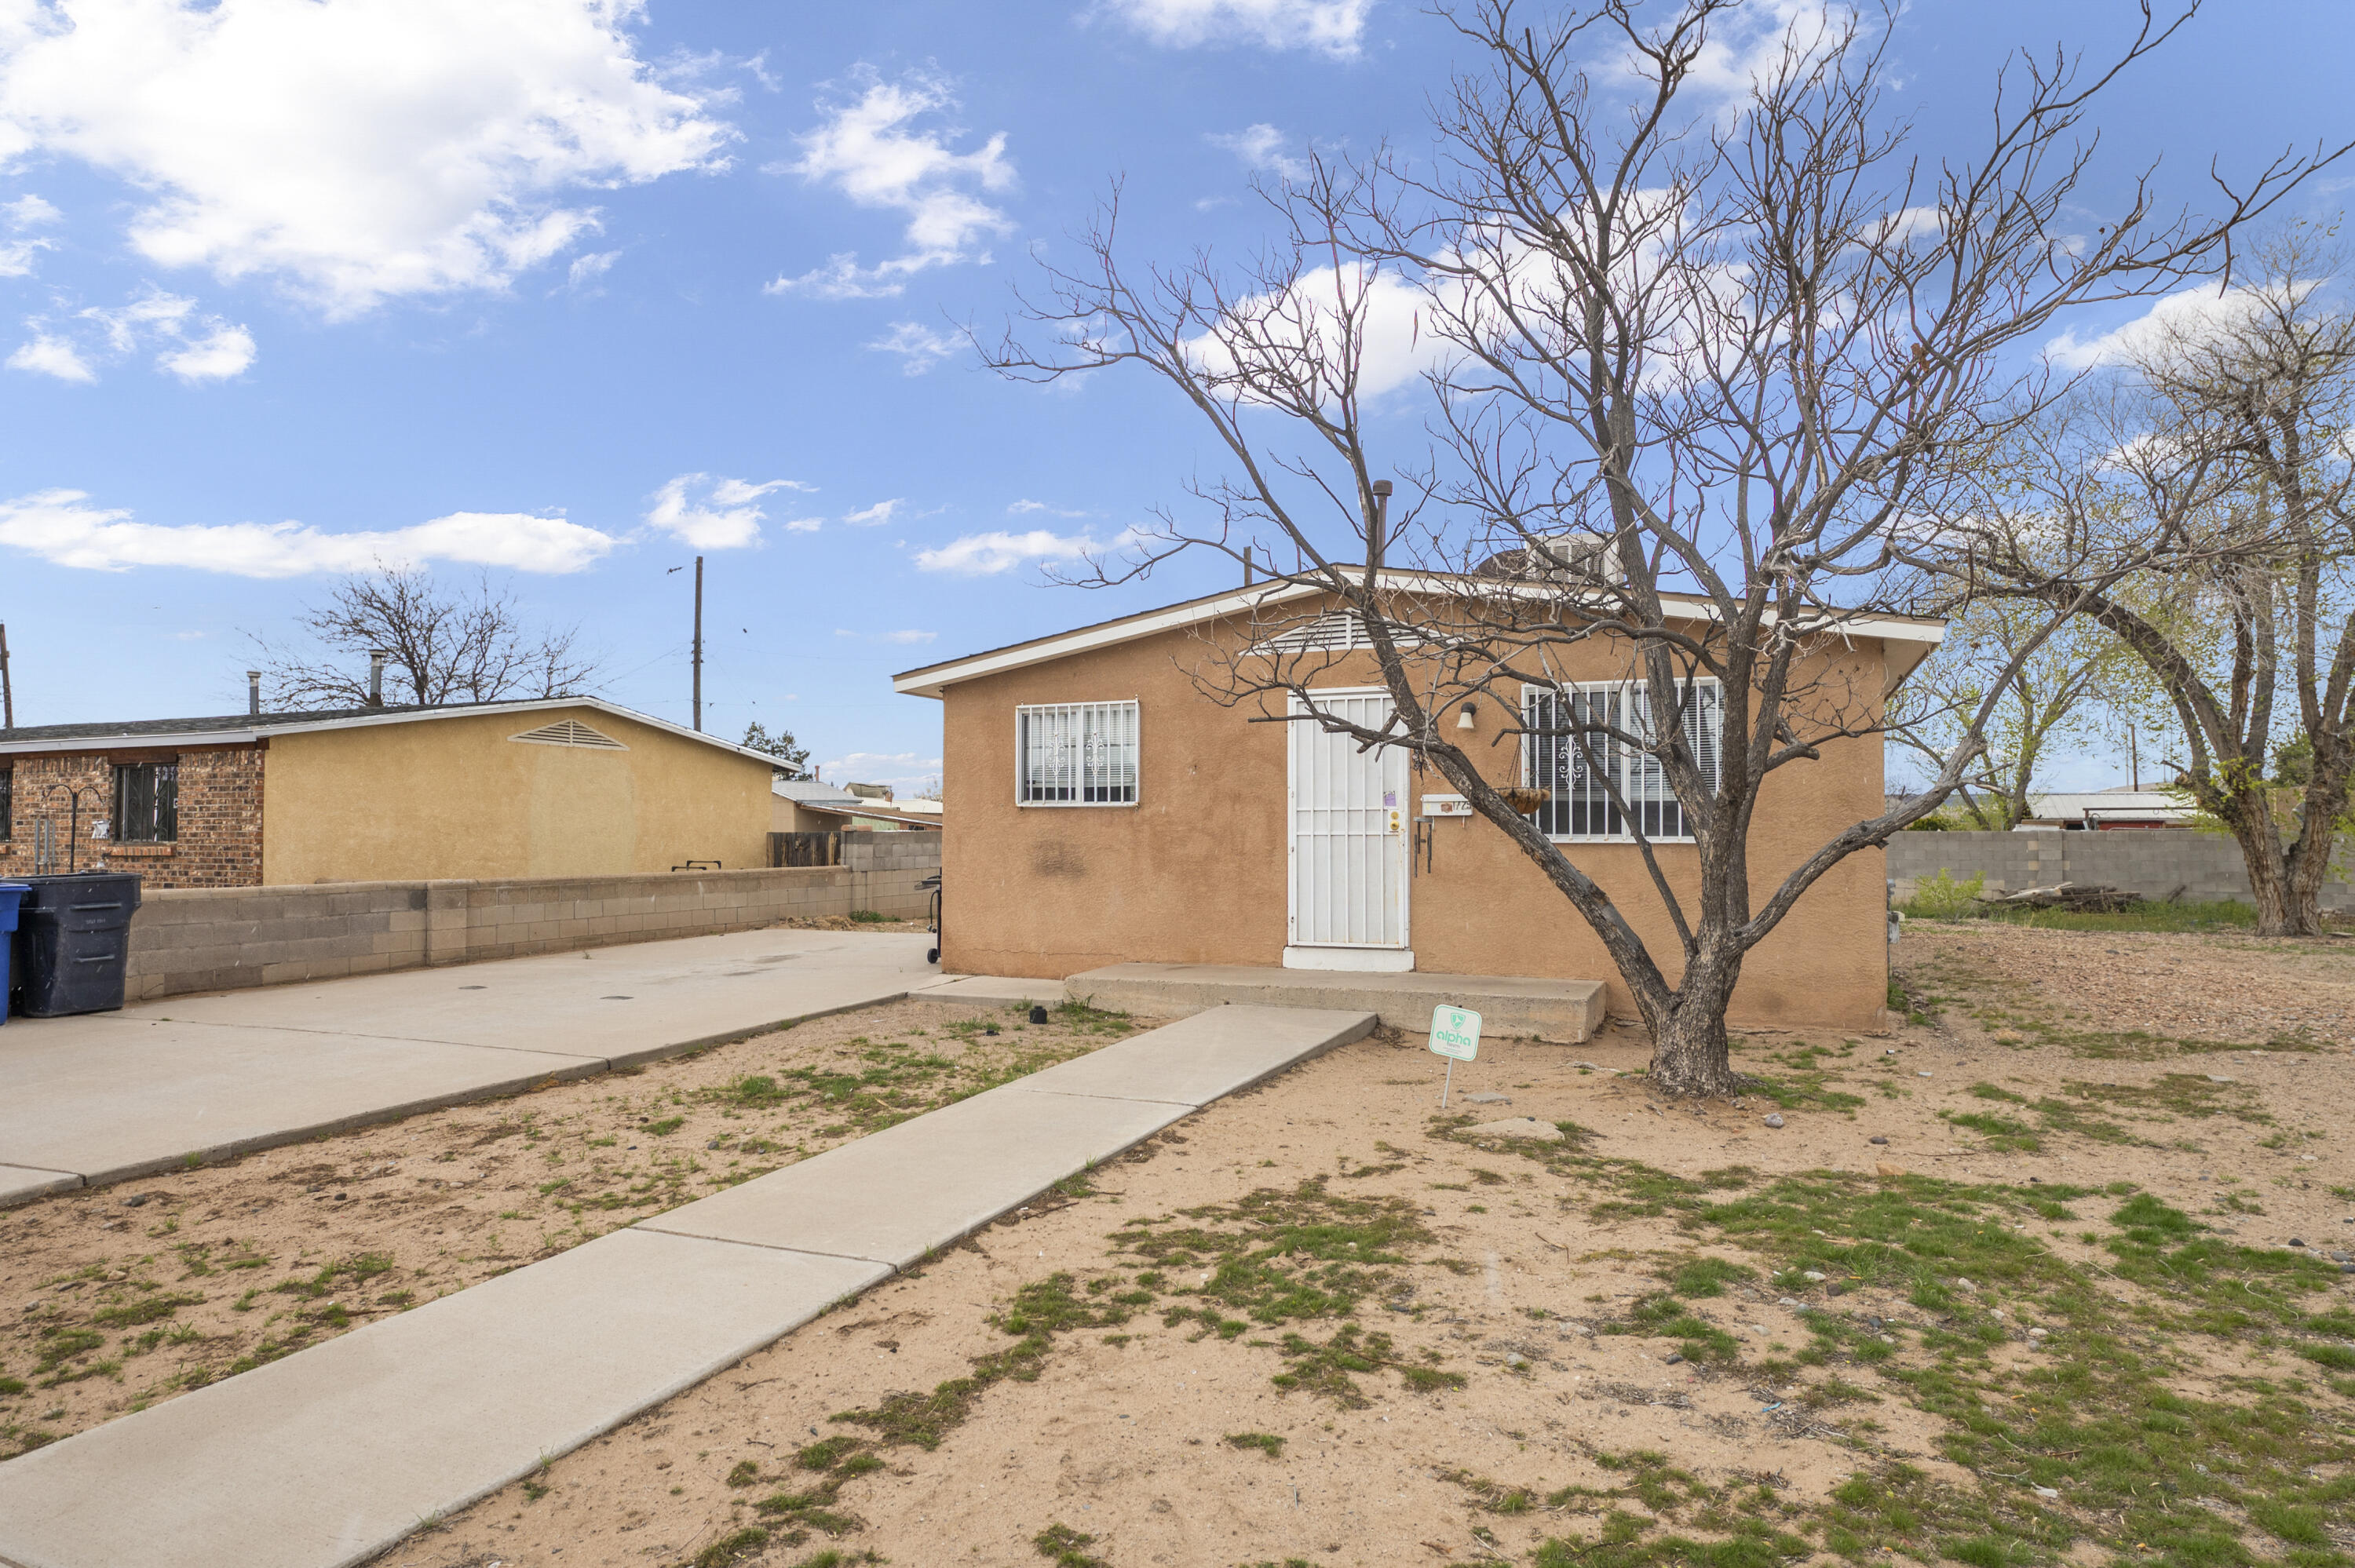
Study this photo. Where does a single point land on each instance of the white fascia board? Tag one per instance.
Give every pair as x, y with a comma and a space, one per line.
931, 680
533, 706
131, 742
197, 741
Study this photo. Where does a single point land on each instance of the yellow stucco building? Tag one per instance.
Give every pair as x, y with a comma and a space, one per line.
566, 787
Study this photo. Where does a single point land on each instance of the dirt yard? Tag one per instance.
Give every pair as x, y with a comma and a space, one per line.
115, 1298
2051, 1275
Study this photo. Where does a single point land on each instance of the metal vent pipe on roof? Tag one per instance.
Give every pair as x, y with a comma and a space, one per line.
253, 694
376, 677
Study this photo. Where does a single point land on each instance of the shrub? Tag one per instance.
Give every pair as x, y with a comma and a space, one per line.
1941, 898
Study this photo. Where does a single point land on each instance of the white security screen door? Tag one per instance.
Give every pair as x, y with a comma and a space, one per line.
1348, 841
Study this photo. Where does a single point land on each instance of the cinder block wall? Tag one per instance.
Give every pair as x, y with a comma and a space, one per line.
225, 939
2152, 861
885, 868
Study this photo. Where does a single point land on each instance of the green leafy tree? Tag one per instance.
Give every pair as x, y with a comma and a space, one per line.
792, 758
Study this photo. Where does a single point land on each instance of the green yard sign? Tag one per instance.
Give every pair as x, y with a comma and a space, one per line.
1454, 1034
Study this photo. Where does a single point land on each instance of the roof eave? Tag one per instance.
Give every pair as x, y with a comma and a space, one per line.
933, 680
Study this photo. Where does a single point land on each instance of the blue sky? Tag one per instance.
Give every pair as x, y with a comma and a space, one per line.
564, 290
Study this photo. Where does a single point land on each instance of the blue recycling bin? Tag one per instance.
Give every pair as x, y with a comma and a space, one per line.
10, 892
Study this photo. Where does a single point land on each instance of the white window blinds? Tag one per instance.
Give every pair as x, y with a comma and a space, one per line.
1579, 769
1076, 754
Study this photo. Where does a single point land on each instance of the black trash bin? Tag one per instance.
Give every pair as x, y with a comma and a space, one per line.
73, 940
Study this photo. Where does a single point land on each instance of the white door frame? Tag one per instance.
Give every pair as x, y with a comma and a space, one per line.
1377, 876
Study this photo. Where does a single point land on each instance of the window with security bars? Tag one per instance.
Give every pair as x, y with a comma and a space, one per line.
146, 802
1579, 768
1076, 754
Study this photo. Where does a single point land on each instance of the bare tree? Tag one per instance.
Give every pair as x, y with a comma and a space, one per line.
2055, 693
443, 646
2244, 624
1695, 370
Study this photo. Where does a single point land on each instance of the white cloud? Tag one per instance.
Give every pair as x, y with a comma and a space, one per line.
801, 524
17, 253
218, 355
1024, 507
1261, 147
46, 355
721, 515
904, 639
1334, 27
919, 347
2189, 319
189, 344
876, 515
986, 555
581, 278
358, 150
900, 770
62, 527
870, 151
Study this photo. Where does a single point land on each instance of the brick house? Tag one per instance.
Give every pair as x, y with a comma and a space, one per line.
568, 787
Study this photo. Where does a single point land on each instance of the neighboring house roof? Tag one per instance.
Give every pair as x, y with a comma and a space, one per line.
2109, 805
1918, 636
810, 792
919, 807
243, 729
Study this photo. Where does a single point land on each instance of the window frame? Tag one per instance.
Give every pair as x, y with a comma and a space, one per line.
7, 803
1024, 714
164, 802
1624, 761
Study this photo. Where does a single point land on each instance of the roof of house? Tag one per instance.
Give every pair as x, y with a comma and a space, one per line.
2077, 806
933, 679
243, 729
811, 792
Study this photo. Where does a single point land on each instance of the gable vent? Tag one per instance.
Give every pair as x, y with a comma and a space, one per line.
569, 732
1334, 631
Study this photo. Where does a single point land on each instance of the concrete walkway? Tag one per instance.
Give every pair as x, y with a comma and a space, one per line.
110, 1095
330, 1456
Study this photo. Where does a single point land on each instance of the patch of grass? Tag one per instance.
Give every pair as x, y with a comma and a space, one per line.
354, 1271
1062, 1545
666, 1126
733, 1548
146, 1309
1267, 1443
871, 917
2003, 1134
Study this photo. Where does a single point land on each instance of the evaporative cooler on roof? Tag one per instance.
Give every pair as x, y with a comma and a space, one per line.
569, 732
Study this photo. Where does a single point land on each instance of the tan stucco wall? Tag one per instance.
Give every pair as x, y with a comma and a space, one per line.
454, 798
1194, 873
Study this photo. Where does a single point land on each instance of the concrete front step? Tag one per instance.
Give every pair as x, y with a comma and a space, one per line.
1566, 1012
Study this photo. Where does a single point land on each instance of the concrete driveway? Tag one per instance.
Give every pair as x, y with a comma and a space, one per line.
99, 1098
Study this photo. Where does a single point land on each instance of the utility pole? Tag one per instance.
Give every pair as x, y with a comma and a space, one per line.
7, 691
698, 644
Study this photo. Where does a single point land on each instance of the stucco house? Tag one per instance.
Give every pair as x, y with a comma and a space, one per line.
566, 787
1101, 808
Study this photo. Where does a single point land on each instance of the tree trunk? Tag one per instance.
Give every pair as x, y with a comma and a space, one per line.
1690, 1058
2280, 911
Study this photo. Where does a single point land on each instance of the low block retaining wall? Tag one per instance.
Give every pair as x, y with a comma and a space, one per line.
189, 940
2152, 861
